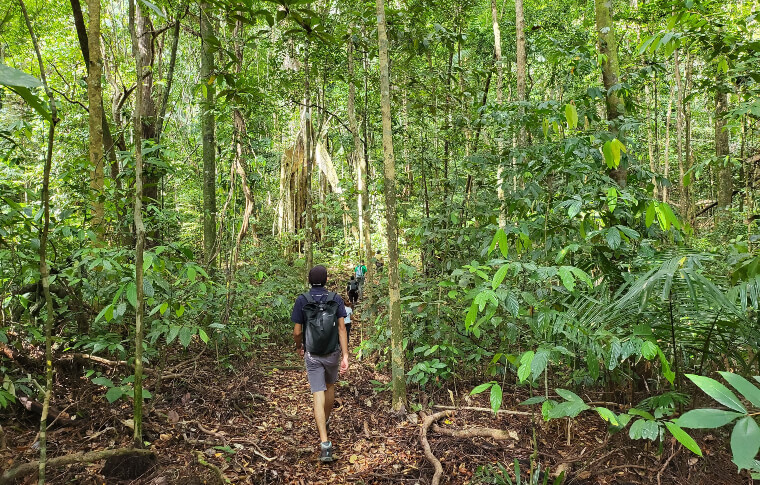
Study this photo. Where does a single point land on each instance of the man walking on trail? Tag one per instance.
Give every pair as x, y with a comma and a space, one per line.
352, 288
320, 337
359, 271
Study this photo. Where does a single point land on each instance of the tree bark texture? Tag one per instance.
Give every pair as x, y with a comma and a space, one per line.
95, 103
397, 351
610, 74
143, 85
725, 175
44, 269
207, 131
499, 99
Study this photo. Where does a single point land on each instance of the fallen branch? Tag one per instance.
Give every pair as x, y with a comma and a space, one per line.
497, 434
484, 410
212, 467
426, 423
92, 456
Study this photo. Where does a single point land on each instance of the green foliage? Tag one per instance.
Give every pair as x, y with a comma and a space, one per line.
499, 475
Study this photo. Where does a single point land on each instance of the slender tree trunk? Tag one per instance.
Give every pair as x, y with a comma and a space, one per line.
499, 100
687, 178
679, 129
44, 269
308, 140
152, 174
95, 102
134, 13
666, 169
109, 145
650, 138
361, 173
394, 303
170, 73
610, 74
209, 142
522, 74
725, 174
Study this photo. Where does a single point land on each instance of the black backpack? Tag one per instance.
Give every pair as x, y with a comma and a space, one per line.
353, 285
321, 327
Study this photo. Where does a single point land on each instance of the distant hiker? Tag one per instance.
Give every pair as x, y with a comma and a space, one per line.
320, 337
349, 312
352, 288
359, 271
379, 262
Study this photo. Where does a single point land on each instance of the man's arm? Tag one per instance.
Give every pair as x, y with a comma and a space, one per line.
298, 337
343, 344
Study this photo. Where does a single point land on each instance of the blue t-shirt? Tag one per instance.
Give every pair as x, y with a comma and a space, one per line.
319, 293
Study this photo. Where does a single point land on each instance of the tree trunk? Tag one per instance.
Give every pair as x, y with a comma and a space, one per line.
207, 129
499, 100
308, 141
95, 103
361, 184
687, 177
610, 75
139, 128
109, 145
679, 128
44, 269
152, 174
394, 303
725, 175
666, 168
522, 72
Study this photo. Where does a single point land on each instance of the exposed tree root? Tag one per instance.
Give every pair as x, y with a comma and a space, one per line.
29, 468
497, 434
426, 423
484, 410
211, 467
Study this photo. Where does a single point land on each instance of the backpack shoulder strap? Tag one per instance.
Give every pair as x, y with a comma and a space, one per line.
331, 296
308, 297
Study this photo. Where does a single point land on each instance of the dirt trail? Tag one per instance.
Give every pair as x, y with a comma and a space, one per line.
252, 422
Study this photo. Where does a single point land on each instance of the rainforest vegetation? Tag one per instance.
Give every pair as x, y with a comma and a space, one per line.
555, 201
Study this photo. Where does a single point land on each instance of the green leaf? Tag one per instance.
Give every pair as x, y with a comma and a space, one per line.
683, 438
481, 388
164, 307
17, 79
608, 416
154, 8
203, 335
666, 372
613, 238
644, 429
173, 332
501, 237
185, 335
472, 314
745, 443
609, 158
525, 363
568, 395
648, 350
612, 198
745, 388
539, 363
191, 273
707, 418
639, 412
568, 409
650, 214
34, 101
180, 310
114, 394
498, 278
132, 294
533, 400
102, 381
566, 275
496, 397
571, 114
718, 391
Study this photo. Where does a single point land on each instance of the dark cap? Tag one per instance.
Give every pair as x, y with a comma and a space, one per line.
318, 276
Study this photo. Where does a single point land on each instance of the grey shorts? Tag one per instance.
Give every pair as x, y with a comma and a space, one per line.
322, 370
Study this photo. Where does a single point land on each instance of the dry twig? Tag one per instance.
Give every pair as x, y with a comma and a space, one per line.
426, 423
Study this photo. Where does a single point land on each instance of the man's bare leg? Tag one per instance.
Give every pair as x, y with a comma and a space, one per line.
320, 406
329, 400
